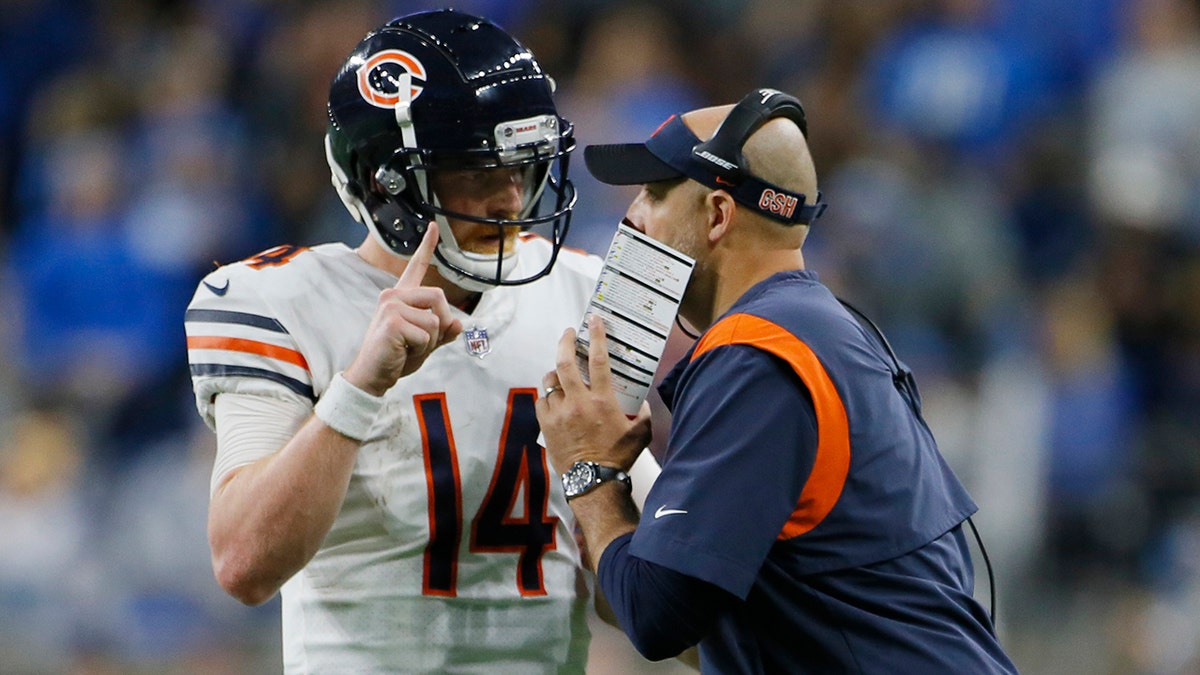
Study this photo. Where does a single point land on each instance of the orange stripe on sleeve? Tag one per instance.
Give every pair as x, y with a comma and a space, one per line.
832, 463
249, 347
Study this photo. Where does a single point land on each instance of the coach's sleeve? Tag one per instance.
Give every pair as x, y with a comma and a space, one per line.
662, 611
742, 446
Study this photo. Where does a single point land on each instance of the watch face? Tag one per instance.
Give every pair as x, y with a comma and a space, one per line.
579, 478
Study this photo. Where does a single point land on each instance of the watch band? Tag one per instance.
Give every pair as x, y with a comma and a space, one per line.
583, 477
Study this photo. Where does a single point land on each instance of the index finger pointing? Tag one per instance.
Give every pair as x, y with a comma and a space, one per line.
418, 264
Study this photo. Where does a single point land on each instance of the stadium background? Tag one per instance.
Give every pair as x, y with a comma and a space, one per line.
1014, 198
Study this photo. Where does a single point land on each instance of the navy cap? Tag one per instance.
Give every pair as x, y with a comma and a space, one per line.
673, 151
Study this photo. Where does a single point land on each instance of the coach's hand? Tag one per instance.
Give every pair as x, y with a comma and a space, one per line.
410, 322
583, 422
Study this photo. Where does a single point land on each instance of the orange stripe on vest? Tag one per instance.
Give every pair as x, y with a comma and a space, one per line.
832, 464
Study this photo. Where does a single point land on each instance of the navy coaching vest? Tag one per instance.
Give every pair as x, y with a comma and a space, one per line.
799, 478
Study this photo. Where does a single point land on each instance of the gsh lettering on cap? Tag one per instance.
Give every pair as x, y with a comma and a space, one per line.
777, 203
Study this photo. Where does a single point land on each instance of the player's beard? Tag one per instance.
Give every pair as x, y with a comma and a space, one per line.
486, 239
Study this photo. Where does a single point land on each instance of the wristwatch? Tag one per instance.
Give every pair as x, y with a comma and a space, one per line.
582, 477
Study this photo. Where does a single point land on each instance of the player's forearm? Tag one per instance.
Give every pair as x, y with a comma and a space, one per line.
269, 518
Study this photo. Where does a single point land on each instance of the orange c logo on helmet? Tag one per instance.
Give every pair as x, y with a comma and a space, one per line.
377, 77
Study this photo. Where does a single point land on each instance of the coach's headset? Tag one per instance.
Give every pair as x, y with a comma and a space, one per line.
722, 156
673, 151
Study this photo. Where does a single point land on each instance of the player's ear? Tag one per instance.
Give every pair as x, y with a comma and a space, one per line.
720, 208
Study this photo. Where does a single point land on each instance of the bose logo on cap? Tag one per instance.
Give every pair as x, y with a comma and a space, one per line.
704, 154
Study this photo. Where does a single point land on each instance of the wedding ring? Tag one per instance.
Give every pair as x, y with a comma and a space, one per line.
550, 390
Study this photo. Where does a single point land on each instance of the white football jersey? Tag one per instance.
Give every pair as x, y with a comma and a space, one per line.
454, 550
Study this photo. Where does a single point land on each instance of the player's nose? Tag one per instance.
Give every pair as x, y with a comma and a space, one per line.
508, 194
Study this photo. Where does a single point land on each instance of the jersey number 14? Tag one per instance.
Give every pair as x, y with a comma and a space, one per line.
520, 471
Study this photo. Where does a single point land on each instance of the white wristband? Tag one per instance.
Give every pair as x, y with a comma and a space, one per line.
348, 410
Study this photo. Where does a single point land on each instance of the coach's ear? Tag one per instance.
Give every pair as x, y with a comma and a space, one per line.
720, 207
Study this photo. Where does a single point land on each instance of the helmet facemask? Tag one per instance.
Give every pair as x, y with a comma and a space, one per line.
402, 199
522, 159
438, 92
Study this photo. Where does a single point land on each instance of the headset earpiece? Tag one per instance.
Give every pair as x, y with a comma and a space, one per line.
723, 152
674, 150
720, 163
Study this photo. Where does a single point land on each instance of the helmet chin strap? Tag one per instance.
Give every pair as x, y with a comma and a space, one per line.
449, 253
445, 257
408, 132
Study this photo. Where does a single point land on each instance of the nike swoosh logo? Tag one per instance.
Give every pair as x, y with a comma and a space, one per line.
664, 511
218, 291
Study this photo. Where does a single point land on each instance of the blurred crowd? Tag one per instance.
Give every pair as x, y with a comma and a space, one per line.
1014, 191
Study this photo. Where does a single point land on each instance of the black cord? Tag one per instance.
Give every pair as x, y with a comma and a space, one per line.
903, 378
875, 329
690, 334
988, 564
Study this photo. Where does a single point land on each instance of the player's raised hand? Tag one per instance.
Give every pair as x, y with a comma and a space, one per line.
410, 322
585, 422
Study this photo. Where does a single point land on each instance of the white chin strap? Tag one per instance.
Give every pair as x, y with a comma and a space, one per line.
480, 264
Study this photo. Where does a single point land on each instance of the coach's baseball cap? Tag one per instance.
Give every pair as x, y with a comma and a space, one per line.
671, 152
663, 157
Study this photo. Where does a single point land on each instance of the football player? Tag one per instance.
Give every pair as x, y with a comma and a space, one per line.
377, 458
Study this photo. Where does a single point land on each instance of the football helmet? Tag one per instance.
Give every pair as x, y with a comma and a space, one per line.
446, 91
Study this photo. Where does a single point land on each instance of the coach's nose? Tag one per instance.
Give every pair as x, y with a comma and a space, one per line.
635, 214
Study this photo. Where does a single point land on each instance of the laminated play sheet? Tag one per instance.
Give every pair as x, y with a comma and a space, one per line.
637, 295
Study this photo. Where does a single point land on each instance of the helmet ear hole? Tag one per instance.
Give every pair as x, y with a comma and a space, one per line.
397, 228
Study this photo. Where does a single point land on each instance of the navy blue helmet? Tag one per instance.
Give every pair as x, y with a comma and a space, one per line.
444, 90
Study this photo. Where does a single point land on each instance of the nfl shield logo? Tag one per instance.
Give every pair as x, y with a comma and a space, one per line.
477, 342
